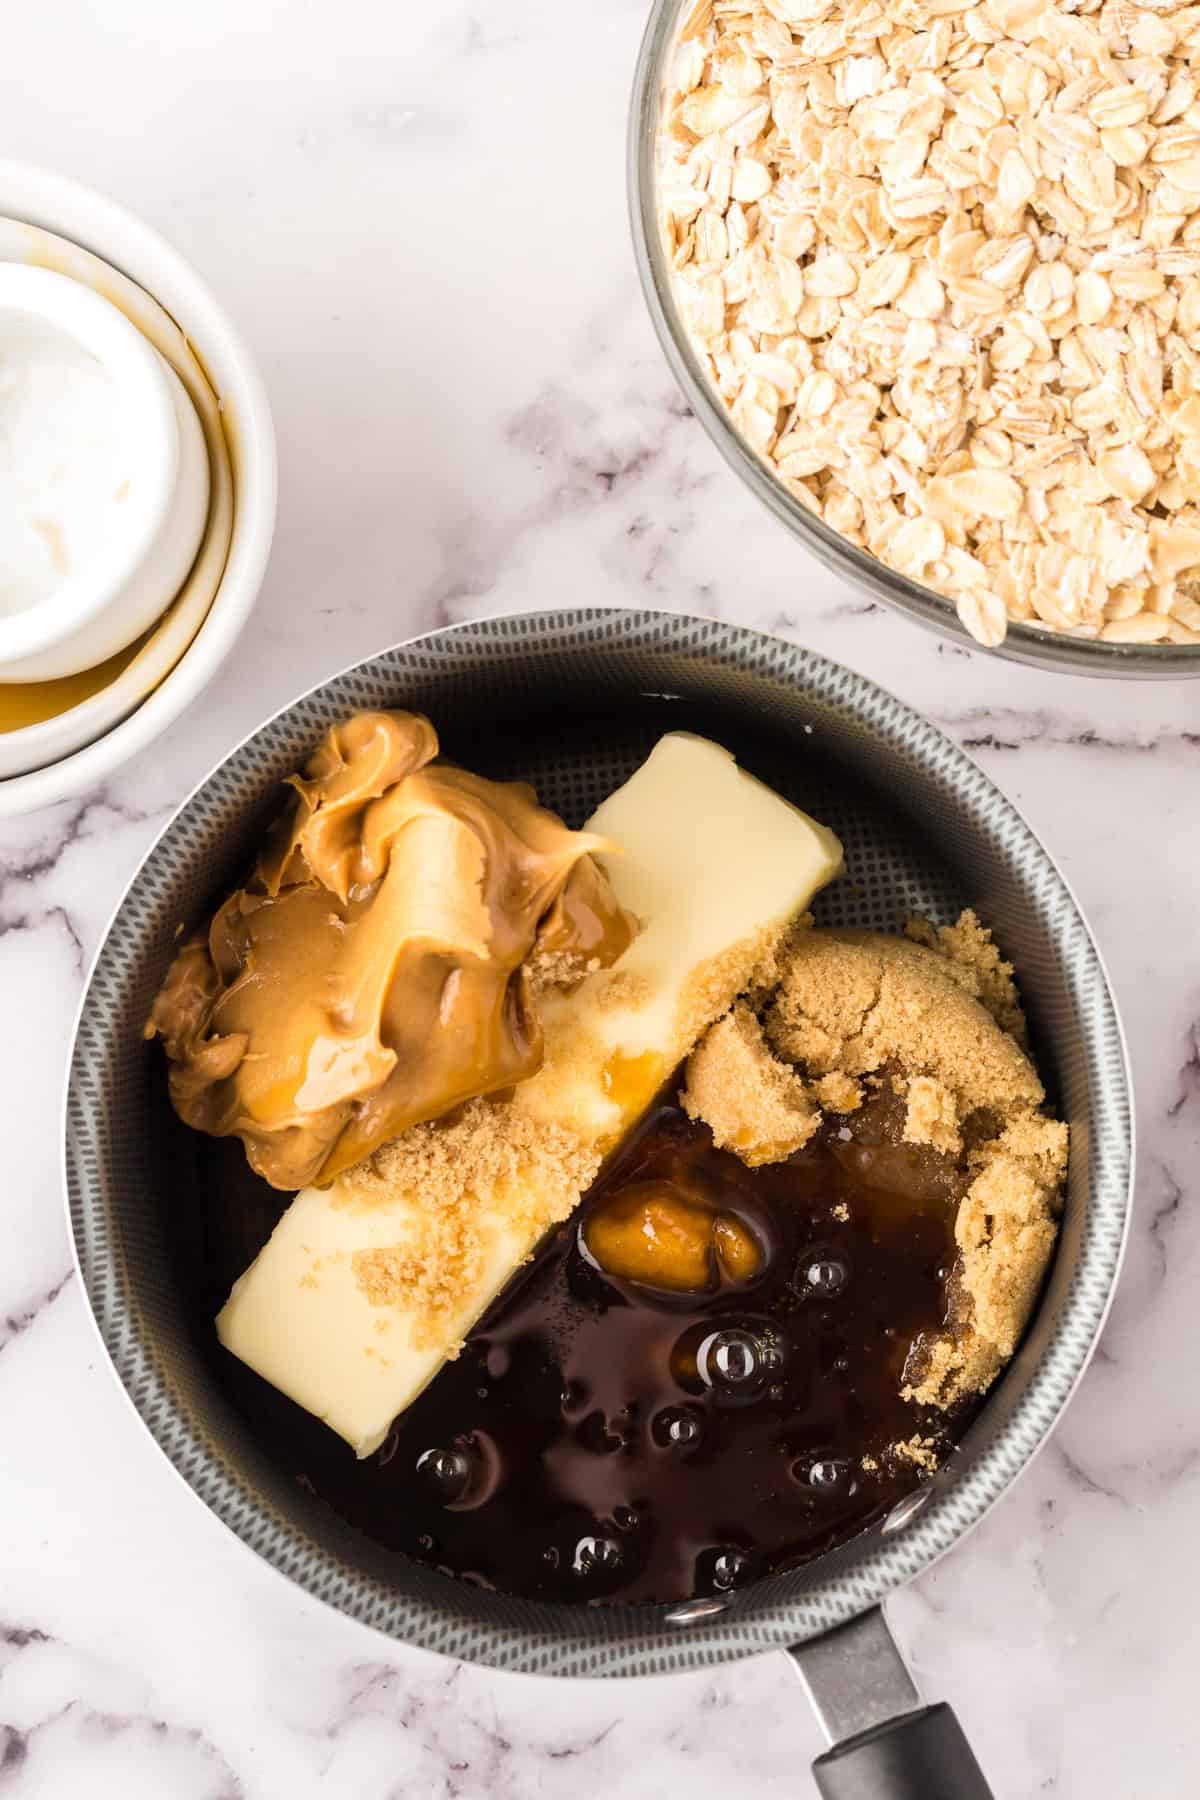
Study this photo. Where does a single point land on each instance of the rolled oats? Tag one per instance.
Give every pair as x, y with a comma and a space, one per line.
941, 259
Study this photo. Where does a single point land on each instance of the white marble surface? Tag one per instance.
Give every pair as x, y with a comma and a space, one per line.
417, 214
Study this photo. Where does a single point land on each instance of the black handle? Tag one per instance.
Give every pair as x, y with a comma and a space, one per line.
919, 1756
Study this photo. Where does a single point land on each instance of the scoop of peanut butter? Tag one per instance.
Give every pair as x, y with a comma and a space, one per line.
374, 971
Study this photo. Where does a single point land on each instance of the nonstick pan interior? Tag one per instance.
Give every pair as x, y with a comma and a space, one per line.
573, 702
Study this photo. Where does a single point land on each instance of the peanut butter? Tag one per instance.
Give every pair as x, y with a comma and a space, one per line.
374, 971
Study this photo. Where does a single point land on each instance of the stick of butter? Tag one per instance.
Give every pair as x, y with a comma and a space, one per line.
367, 1287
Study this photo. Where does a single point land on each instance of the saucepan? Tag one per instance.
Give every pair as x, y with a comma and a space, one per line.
573, 700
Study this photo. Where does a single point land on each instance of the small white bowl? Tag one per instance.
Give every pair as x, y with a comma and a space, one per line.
152, 529
185, 651
62, 717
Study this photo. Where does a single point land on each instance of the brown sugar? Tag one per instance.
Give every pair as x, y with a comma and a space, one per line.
939, 1021
968, 946
559, 969
921, 1452
1005, 1230
750, 963
838, 1093
531, 1173
932, 1116
752, 1103
858, 1002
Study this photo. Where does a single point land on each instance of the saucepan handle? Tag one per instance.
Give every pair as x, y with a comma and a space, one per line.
885, 1744
921, 1756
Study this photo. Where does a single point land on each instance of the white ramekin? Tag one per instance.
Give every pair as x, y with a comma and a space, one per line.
56, 204
97, 610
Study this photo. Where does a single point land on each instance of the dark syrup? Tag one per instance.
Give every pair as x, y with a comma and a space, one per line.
574, 1450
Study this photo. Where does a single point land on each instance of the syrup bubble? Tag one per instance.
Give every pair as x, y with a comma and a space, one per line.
446, 1473
738, 1361
730, 1567
826, 1276
676, 1428
596, 1555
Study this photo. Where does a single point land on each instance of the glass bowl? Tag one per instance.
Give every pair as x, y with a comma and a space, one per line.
1023, 643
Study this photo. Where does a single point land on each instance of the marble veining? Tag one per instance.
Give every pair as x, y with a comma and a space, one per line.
417, 215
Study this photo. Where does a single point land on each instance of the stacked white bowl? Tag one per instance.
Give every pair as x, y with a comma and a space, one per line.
137, 486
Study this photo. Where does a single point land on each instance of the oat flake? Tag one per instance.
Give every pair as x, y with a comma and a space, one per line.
941, 260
